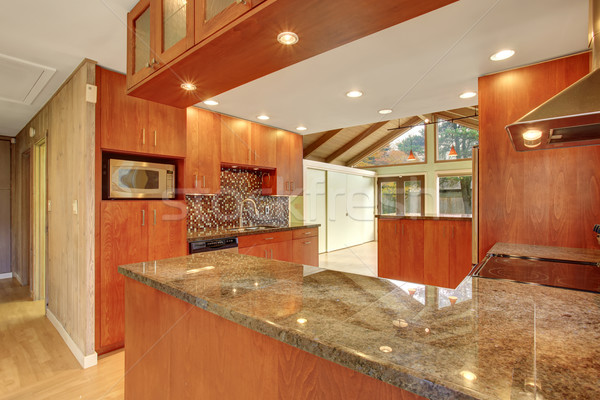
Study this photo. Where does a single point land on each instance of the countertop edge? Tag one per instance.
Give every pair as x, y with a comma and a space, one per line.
385, 372
224, 233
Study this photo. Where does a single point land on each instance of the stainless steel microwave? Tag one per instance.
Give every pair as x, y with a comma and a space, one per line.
140, 180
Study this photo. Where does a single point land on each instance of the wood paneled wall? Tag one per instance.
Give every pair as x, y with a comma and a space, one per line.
68, 123
546, 197
5, 205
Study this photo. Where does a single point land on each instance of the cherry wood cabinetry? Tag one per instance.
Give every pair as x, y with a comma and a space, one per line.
212, 15
131, 125
431, 252
298, 246
158, 31
130, 232
289, 163
202, 163
247, 143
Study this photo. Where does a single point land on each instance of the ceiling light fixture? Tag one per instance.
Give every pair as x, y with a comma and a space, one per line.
211, 102
188, 86
301, 128
354, 93
452, 153
263, 117
502, 55
301, 320
467, 95
468, 375
385, 111
287, 38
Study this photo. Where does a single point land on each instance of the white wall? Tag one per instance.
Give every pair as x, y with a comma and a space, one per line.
342, 200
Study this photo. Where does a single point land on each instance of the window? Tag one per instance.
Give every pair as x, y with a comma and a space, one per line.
401, 195
455, 194
398, 151
454, 136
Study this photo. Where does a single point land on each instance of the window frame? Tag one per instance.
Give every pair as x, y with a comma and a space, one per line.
436, 119
401, 164
400, 180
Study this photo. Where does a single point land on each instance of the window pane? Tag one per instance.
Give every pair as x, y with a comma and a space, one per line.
388, 192
398, 151
174, 22
412, 198
455, 194
450, 134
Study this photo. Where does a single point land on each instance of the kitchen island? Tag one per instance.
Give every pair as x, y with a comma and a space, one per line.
224, 325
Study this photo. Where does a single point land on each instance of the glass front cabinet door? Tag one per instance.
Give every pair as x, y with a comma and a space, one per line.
158, 31
212, 15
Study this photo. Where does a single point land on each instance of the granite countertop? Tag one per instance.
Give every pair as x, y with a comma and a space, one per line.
441, 217
499, 340
231, 232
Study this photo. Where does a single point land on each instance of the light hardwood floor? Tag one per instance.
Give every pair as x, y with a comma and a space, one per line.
35, 363
361, 259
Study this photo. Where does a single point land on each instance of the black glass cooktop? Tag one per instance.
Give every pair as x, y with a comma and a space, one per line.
556, 273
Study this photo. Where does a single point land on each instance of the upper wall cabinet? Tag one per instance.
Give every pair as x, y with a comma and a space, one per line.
158, 31
235, 41
128, 124
212, 15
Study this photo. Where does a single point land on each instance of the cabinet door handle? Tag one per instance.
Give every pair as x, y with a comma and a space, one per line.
204, 181
154, 138
287, 186
269, 238
271, 254
266, 255
307, 233
154, 217
143, 136
306, 242
143, 217
196, 180
249, 155
240, 1
291, 186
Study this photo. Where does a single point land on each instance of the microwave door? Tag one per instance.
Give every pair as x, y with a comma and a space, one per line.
137, 182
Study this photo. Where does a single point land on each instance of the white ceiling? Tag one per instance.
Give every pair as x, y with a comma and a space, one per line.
417, 67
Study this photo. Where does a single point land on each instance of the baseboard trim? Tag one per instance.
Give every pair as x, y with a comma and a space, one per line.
7, 275
85, 361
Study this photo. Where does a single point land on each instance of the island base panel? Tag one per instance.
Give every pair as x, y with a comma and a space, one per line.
174, 350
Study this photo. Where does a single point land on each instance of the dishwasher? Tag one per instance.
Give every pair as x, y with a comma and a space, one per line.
229, 244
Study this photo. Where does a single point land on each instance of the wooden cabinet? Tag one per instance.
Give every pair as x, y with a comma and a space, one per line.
130, 232
305, 246
202, 162
247, 144
158, 31
131, 125
299, 246
212, 15
431, 252
289, 163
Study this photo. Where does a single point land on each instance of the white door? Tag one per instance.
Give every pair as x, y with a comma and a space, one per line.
361, 209
315, 203
338, 235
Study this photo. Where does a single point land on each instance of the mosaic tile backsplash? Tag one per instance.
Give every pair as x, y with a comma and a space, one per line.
222, 210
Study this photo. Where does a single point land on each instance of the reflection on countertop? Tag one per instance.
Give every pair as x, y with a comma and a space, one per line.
220, 233
486, 339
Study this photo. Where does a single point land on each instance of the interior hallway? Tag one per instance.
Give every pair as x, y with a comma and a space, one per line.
361, 259
35, 363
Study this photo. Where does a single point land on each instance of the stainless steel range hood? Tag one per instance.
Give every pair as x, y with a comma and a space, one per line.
572, 117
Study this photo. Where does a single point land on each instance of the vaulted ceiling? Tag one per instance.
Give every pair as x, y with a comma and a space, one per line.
347, 146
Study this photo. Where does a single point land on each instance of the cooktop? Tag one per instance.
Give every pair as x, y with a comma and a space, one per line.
557, 273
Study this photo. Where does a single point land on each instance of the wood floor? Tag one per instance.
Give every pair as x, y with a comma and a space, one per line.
35, 363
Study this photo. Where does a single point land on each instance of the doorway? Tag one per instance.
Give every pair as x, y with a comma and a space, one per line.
25, 250
39, 221
401, 195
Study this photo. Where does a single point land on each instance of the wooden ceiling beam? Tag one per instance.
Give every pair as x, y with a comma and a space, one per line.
384, 141
359, 138
311, 148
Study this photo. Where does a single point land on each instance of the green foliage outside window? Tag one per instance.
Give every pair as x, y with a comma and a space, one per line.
463, 138
398, 150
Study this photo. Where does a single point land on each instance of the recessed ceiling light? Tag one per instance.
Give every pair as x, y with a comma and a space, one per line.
211, 102
467, 95
301, 128
468, 375
354, 93
301, 320
385, 111
502, 55
188, 86
287, 38
263, 117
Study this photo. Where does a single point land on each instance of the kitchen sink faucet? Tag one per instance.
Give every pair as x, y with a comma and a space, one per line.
242, 210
